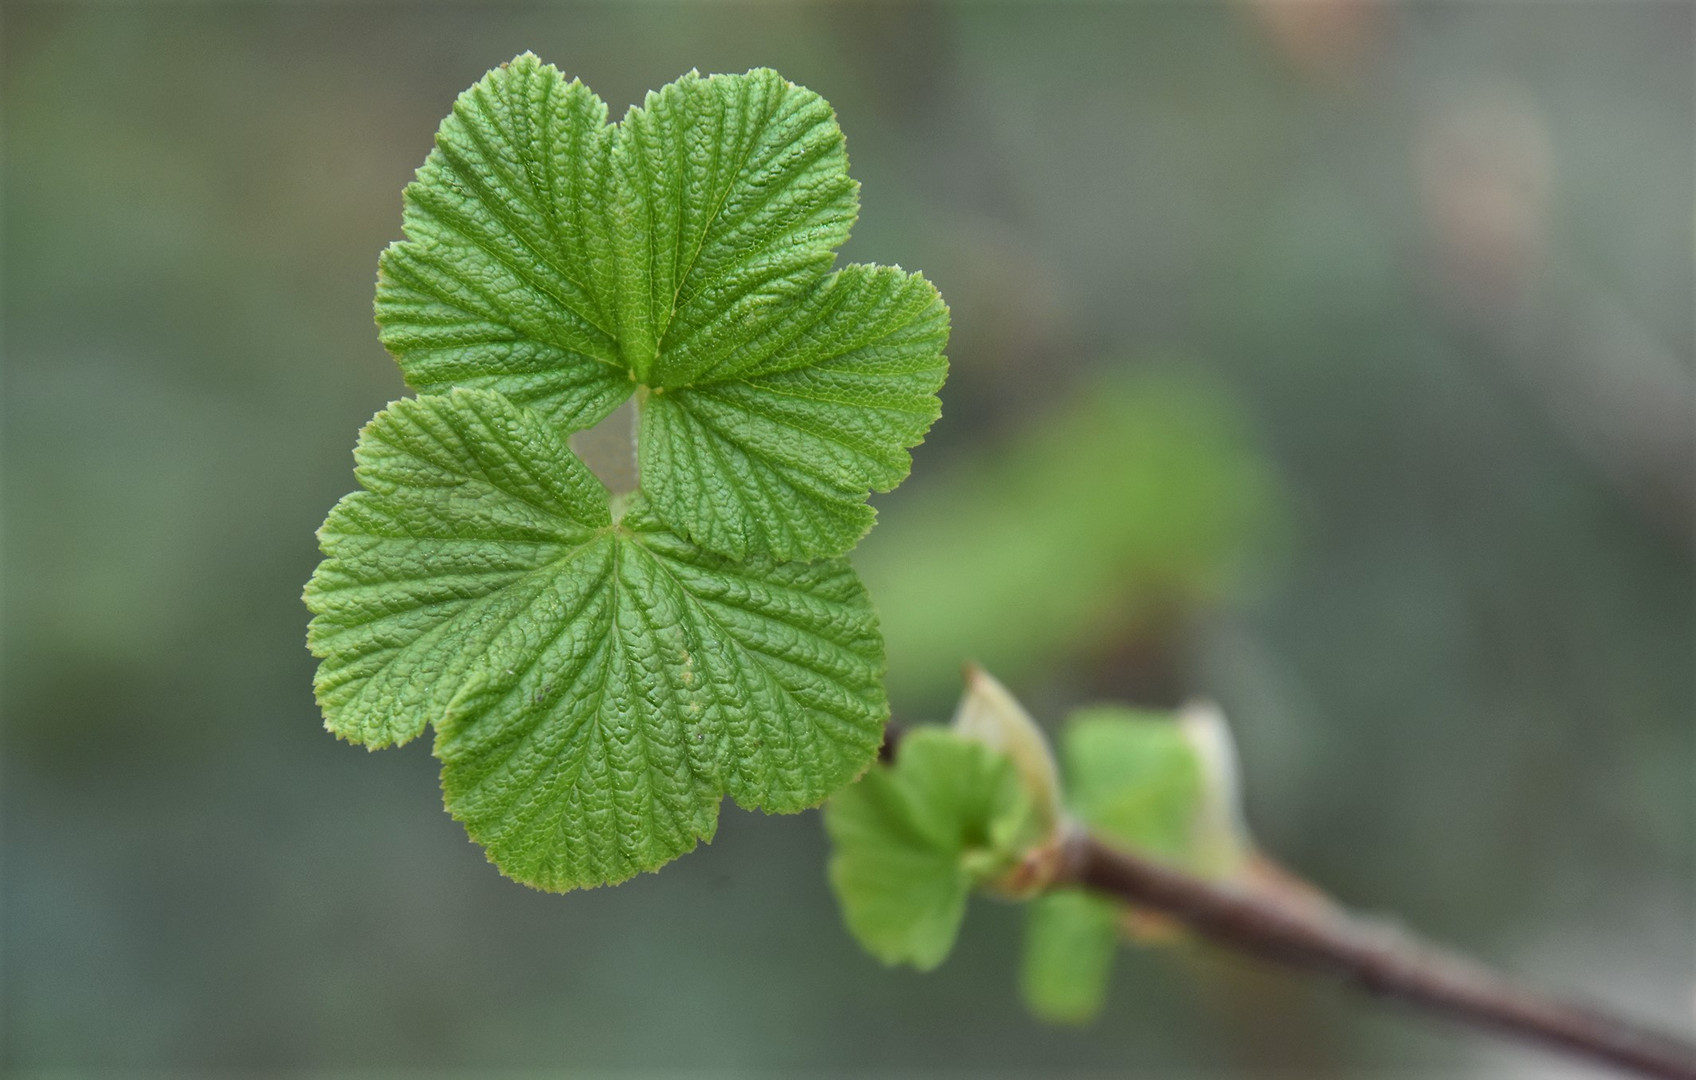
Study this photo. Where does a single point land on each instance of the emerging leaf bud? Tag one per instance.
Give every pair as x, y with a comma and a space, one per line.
989, 714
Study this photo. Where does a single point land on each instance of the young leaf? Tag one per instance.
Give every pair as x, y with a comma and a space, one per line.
1133, 777
1163, 784
1220, 845
988, 713
732, 195
686, 250
1070, 938
596, 685
1155, 783
910, 841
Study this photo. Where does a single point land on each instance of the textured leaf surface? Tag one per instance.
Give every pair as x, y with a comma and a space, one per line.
506, 279
1070, 938
780, 458
687, 249
596, 686
909, 842
733, 196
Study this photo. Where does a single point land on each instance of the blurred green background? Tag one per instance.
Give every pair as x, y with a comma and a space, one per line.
1330, 359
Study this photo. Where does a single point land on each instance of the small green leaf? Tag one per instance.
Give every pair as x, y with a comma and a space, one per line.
1070, 938
910, 841
1162, 785
687, 250
1134, 778
596, 685
1220, 845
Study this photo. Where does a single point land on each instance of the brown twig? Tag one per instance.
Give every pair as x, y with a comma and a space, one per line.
892, 733
1379, 959
1295, 925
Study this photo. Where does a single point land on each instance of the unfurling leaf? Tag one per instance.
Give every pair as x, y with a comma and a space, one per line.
1219, 843
1160, 785
911, 840
989, 714
1133, 778
1070, 937
683, 254
596, 684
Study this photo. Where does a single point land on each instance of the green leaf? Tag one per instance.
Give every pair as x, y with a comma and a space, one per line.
1134, 778
1070, 939
1160, 784
910, 841
732, 197
596, 685
780, 457
988, 713
506, 280
1219, 843
686, 250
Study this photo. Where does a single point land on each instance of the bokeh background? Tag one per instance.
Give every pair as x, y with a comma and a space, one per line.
1330, 359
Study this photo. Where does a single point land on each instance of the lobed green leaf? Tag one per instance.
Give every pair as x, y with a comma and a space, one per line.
911, 840
732, 197
780, 458
596, 685
686, 250
507, 277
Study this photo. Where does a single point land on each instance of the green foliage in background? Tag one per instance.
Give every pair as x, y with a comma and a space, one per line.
1135, 497
602, 668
